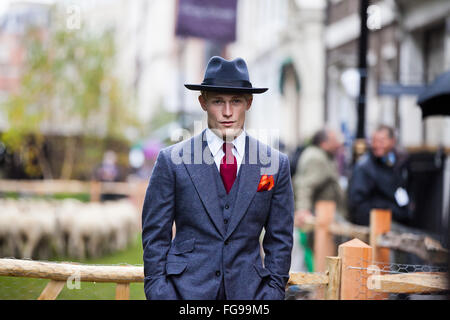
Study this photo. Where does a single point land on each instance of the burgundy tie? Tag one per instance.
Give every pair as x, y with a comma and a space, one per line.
228, 166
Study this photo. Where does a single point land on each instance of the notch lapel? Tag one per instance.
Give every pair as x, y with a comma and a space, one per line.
202, 177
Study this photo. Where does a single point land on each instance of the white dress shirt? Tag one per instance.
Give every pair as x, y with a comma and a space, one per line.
215, 145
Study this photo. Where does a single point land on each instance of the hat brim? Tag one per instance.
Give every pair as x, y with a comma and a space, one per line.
225, 89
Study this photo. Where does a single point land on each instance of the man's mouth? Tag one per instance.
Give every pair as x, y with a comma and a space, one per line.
227, 123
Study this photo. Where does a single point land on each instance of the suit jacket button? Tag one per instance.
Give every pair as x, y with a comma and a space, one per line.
225, 221
227, 206
226, 242
218, 273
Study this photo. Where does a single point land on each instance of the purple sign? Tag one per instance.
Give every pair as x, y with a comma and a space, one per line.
208, 19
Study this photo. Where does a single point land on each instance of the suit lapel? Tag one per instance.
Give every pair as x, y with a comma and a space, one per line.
248, 184
202, 177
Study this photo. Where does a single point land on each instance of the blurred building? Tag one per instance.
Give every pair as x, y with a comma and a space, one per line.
152, 62
408, 47
282, 41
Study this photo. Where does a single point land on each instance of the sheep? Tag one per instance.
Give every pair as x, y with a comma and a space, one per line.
9, 231
37, 228
97, 228
36, 225
67, 214
121, 216
22, 229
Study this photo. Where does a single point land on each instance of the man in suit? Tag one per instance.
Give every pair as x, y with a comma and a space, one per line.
221, 187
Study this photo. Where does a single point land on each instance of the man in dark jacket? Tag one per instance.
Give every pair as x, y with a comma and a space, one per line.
379, 181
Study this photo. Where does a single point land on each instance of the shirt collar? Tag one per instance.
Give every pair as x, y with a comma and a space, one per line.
215, 143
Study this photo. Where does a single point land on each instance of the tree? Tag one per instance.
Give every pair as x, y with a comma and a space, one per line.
67, 86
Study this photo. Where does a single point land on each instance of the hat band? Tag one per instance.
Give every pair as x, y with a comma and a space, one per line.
231, 83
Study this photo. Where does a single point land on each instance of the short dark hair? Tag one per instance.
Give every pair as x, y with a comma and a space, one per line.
247, 96
389, 129
319, 137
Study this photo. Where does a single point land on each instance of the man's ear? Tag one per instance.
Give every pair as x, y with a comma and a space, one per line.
202, 101
249, 103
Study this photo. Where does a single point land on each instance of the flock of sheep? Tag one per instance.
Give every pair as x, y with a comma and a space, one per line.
41, 229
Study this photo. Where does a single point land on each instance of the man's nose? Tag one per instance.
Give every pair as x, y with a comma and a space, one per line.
227, 110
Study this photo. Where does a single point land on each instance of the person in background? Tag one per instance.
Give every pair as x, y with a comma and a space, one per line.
317, 178
108, 171
379, 180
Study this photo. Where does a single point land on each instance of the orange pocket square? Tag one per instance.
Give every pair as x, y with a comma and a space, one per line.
266, 183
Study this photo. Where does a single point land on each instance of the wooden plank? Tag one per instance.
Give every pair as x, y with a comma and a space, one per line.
417, 282
123, 291
52, 290
71, 186
421, 245
44, 186
350, 230
355, 256
340, 229
62, 271
302, 278
334, 278
323, 240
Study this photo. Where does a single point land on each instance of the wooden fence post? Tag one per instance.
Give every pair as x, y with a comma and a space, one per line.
323, 239
380, 222
123, 291
334, 278
95, 191
355, 258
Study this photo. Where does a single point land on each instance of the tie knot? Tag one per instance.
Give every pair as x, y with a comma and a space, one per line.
227, 147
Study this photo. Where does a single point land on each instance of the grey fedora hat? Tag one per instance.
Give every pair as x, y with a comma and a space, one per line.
226, 76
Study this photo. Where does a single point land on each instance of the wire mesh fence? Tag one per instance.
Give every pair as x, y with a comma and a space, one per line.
398, 281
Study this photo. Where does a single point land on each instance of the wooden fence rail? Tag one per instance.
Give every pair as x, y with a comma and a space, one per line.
378, 234
60, 272
415, 282
135, 190
341, 280
41, 187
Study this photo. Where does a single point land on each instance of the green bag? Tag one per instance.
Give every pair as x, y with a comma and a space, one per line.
309, 255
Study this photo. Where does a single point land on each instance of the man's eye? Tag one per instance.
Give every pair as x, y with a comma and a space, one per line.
217, 101
237, 101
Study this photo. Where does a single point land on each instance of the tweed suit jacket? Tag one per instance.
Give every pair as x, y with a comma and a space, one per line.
191, 266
